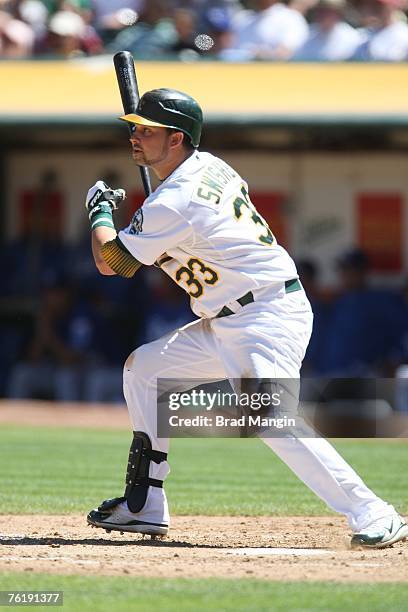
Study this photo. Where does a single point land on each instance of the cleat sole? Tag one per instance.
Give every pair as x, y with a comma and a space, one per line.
151, 530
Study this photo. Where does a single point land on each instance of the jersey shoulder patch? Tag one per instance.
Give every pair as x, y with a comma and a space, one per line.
136, 223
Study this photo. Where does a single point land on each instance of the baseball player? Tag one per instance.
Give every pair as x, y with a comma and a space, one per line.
254, 319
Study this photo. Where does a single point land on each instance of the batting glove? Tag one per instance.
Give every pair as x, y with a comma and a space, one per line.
101, 200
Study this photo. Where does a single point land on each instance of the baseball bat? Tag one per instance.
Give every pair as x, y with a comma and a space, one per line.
129, 92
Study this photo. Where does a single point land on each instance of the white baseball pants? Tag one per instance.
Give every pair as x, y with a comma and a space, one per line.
265, 339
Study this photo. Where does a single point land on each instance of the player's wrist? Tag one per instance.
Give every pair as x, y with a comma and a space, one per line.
102, 223
101, 215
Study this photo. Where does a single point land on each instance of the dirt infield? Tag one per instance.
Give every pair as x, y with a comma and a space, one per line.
50, 414
197, 546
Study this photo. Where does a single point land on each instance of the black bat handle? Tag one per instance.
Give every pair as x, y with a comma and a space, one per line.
129, 93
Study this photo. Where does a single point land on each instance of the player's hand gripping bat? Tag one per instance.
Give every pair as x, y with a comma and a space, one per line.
129, 92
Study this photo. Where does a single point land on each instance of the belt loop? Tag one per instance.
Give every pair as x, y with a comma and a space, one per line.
248, 298
290, 285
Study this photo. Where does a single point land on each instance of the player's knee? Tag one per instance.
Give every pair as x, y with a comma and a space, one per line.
129, 362
139, 363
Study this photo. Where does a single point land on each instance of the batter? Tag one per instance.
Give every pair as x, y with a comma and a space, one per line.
255, 320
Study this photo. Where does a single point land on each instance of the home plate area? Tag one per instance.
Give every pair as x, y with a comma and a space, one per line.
270, 548
301, 552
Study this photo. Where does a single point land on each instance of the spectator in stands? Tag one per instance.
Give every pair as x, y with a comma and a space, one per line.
69, 36
109, 301
81, 7
164, 308
401, 352
385, 35
302, 6
61, 348
38, 248
185, 23
16, 36
209, 35
364, 329
151, 36
66, 31
112, 16
272, 31
109, 298
330, 37
217, 23
167, 308
202, 6
35, 14
321, 304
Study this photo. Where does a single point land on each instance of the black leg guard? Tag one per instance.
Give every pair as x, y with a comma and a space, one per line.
137, 476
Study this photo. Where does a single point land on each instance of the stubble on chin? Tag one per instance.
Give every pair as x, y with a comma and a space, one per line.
139, 158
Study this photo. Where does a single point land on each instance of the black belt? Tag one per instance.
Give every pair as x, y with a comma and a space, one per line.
290, 286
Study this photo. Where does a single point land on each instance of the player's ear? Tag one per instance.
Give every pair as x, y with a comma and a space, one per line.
176, 139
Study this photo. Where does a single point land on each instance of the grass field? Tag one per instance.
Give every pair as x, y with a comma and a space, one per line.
53, 471
91, 594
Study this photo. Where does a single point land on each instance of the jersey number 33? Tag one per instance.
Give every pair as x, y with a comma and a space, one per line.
244, 207
195, 273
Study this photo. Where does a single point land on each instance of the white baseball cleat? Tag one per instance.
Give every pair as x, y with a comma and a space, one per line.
114, 515
382, 532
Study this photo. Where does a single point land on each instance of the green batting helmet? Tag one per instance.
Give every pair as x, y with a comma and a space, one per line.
169, 108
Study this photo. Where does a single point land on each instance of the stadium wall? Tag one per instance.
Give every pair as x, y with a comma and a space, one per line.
317, 204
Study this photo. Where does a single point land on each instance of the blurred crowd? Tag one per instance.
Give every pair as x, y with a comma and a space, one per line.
189, 30
360, 329
66, 330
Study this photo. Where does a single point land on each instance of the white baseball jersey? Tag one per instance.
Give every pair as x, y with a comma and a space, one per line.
204, 232
208, 237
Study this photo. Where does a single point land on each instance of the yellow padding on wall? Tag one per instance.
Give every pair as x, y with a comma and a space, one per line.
267, 88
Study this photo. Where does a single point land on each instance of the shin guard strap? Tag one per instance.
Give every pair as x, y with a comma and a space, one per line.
137, 477
152, 482
154, 455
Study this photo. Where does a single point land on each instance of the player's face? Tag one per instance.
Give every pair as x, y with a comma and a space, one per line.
150, 145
